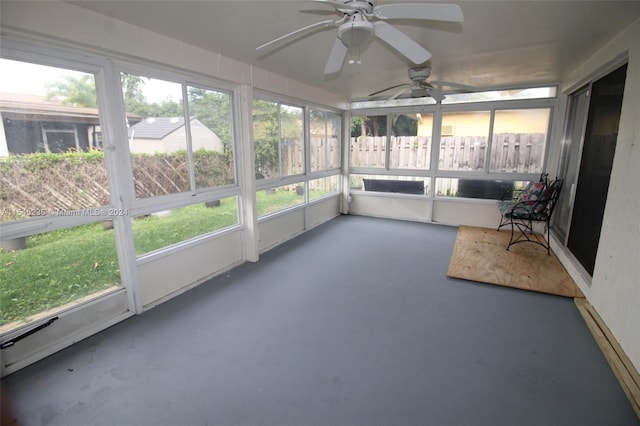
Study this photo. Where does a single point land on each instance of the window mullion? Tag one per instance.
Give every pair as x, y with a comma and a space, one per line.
187, 129
435, 146
279, 140
387, 154
487, 158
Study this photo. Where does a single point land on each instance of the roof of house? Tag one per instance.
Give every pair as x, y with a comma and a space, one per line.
16, 105
19, 105
156, 127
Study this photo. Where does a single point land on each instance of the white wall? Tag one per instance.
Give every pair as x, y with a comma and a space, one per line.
390, 206
170, 275
615, 287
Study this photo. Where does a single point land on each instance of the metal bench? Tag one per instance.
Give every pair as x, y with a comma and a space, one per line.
535, 204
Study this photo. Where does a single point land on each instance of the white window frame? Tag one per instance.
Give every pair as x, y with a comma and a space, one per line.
438, 110
149, 205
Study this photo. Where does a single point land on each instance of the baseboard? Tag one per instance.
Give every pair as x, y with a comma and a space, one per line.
618, 361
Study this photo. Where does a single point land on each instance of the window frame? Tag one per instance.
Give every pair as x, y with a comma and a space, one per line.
25, 52
303, 178
438, 110
329, 171
280, 179
141, 206
46, 53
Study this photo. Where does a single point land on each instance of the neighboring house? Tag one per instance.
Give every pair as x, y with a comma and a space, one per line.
167, 134
32, 123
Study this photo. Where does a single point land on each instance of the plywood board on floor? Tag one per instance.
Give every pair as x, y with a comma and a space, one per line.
480, 254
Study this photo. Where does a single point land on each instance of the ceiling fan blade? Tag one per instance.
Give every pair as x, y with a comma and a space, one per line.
399, 93
281, 41
336, 4
399, 41
336, 57
432, 12
458, 86
436, 94
389, 88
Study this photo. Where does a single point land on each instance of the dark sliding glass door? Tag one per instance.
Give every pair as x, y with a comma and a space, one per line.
596, 162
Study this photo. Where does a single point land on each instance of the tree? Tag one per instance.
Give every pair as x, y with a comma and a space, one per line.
404, 125
372, 125
265, 136
213, 109
80, 92
133, 94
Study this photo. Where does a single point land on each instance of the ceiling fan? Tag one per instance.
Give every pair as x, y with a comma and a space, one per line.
420, 87
363, 20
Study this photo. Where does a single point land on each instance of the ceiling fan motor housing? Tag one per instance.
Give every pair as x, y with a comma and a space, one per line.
419, 73
419, 92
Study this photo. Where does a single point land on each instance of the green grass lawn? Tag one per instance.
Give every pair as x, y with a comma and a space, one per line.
157, 231
61, 266
267, 202
56, 268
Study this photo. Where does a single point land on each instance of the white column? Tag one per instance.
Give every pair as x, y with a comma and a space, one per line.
118, 163
346, 149
245, 160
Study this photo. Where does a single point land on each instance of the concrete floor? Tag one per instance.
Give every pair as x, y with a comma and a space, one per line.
352, 323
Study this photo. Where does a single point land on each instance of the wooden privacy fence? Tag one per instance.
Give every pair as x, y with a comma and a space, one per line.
511, 152
518, 152
324, 154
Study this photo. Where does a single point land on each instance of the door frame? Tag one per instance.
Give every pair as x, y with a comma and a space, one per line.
563, 156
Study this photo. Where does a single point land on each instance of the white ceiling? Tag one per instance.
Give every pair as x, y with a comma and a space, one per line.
499, 44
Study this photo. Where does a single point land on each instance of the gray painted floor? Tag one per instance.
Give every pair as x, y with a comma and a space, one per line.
352, 323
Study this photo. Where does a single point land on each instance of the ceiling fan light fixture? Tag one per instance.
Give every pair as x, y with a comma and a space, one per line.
355, 33
363, 20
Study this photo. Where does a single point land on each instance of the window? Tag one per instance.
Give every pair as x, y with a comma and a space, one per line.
502, 95
466, 148
157, 135
486, 152
43, 273
211, 137
490, 189
55, 249
322, 187
324, 143
291, 140
171, 153
415, 185
368, 141
61, 137
278, 137
387, 103
519, 139
164, 228
279, 198
48, 165
407, 147
410, 142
